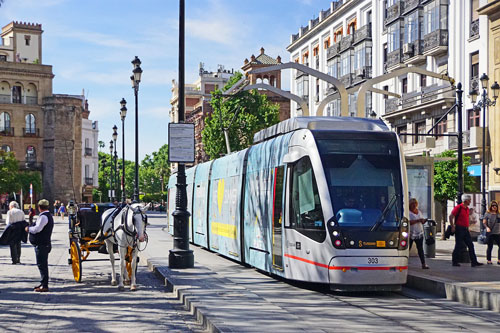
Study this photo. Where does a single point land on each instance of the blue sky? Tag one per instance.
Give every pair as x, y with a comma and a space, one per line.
90, 45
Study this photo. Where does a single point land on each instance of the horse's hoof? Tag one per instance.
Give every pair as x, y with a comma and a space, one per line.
133, 288
126, 282
113, 283
121, 288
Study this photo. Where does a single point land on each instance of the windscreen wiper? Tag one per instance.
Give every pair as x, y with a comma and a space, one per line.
381, 218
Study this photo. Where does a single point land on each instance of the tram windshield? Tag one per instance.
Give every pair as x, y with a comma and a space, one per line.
364, 181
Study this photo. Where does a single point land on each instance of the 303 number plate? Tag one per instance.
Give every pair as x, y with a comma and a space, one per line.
372, 260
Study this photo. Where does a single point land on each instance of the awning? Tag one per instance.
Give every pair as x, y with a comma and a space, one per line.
474, 170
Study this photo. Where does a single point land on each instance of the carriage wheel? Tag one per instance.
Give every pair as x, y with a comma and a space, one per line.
76, 260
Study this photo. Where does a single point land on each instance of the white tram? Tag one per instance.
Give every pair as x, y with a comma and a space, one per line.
316, 199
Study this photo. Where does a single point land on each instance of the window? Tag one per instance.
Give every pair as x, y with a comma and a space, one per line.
368, 104
404, 85
306, 215
435, 17
386, 88
473, 116
337, 36
333, 67
327, 43
30, 154
351, 27
87, 171
333, 109
3, 57
6, 148
393, 33
474, 65
30, 124
353, 104
303, 86
441, 127
411, 28
385, 53
305, 58
345, 60
419, 130
362, 55
369, 17
423, 81
278, 215
401, 130
4, 122
27, 39
474, 15
16, 94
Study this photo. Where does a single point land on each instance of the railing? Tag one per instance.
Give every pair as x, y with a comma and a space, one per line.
88, 151
474, 28
391, 104
333, 50
409, 5
89, 181
347, 79
346, 42
31, 100
5, 99
393, 13
31, 165
394, 58
435, 39
34, 132
365, 32
7, 131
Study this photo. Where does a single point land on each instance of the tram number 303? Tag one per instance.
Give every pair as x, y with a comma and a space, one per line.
373, 260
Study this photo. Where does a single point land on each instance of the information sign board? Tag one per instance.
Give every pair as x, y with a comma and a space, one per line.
180, 143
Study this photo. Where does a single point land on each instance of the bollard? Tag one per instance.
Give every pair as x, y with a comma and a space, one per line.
430, 239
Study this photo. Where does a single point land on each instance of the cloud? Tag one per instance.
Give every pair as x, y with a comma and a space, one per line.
214, 31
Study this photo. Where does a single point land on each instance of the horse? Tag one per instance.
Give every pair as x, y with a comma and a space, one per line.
124, 227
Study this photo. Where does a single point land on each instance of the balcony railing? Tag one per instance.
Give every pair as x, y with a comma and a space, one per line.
394, 58
435, 40
7, 131
409, 5
346, 42
31, 165
474, 28
365, 32
89, 181
333, 50
8, 99
31, 100
88, 151
347, 79
393, 13
5, 99
391, 104
34, 132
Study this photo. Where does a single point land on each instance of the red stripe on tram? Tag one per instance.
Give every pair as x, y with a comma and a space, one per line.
360, 268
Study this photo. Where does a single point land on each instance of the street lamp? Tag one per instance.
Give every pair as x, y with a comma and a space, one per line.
123, 114
111, 194
482, 104
115, 136
136, 79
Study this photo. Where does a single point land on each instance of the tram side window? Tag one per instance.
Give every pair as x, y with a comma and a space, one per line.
306, 215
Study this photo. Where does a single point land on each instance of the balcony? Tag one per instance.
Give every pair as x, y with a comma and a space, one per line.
365, 32
474, 83
7, 131
88, 151
412, 52
474, 29
409, 5
393, 13
410, 99
31, 132
346, 42
436, 43
31, 165
89, 181
394, 59
391, 105
347, 79
31, 100
361, 74
5, 99
453, 140
333, 51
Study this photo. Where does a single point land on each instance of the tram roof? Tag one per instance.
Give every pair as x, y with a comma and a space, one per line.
320, 123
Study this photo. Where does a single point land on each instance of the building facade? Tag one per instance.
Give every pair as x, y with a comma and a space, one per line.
90, 157
197, 103
43, 130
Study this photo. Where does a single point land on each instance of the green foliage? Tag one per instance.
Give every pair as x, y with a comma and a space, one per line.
26, 178
446, 177
244, 114
9, 181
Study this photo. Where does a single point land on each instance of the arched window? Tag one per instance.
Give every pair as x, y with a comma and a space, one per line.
30, 124
4, 123
30, 154
31, 94
6, 148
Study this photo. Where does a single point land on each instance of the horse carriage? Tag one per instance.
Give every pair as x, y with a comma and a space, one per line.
104, 228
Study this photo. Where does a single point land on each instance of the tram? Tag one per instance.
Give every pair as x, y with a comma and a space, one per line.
316, 199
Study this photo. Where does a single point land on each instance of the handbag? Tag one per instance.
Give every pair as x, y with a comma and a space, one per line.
488, 234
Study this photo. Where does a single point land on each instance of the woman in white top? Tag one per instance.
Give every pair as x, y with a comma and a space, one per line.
417, 230
15, 215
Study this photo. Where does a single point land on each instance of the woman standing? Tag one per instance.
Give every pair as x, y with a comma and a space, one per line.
417, 230
491, 223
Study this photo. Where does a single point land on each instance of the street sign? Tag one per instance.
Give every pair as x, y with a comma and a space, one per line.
180, 143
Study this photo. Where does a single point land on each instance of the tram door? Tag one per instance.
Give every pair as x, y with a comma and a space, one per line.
278, 217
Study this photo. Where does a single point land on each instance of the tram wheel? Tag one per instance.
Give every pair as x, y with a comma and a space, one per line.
76, 261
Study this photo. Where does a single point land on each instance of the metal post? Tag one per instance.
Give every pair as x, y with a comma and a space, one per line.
123, 160
116, 173
136, 185
460, 189
483, 160
181, 256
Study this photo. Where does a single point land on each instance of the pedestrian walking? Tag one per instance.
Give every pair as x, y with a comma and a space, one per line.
15, 215
40, 236
459, 221
31, 215
417, 221
62, 210
491, 223
57, 204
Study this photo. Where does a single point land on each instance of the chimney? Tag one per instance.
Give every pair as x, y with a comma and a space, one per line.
252, 58
278, 59
246, 61
261, 50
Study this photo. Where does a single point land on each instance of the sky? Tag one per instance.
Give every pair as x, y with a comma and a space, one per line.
91, 44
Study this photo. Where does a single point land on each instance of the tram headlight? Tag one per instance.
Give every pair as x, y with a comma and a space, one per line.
335, 233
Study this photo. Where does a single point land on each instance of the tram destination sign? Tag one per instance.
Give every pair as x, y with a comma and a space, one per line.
180, 143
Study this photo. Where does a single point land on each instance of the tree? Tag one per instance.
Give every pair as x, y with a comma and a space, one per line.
9, 181
154, 173
244, 114
446, 181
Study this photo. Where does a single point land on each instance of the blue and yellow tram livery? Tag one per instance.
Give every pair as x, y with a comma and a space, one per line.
316, 199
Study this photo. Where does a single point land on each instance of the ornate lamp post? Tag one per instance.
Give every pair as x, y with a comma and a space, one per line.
123, 114
111, 191
136, 79
483, 103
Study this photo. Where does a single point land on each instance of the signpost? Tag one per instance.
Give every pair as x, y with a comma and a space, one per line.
181, 143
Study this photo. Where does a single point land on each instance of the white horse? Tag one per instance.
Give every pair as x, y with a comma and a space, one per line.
125, 230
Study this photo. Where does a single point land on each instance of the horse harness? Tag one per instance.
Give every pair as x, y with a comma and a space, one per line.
123, 225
